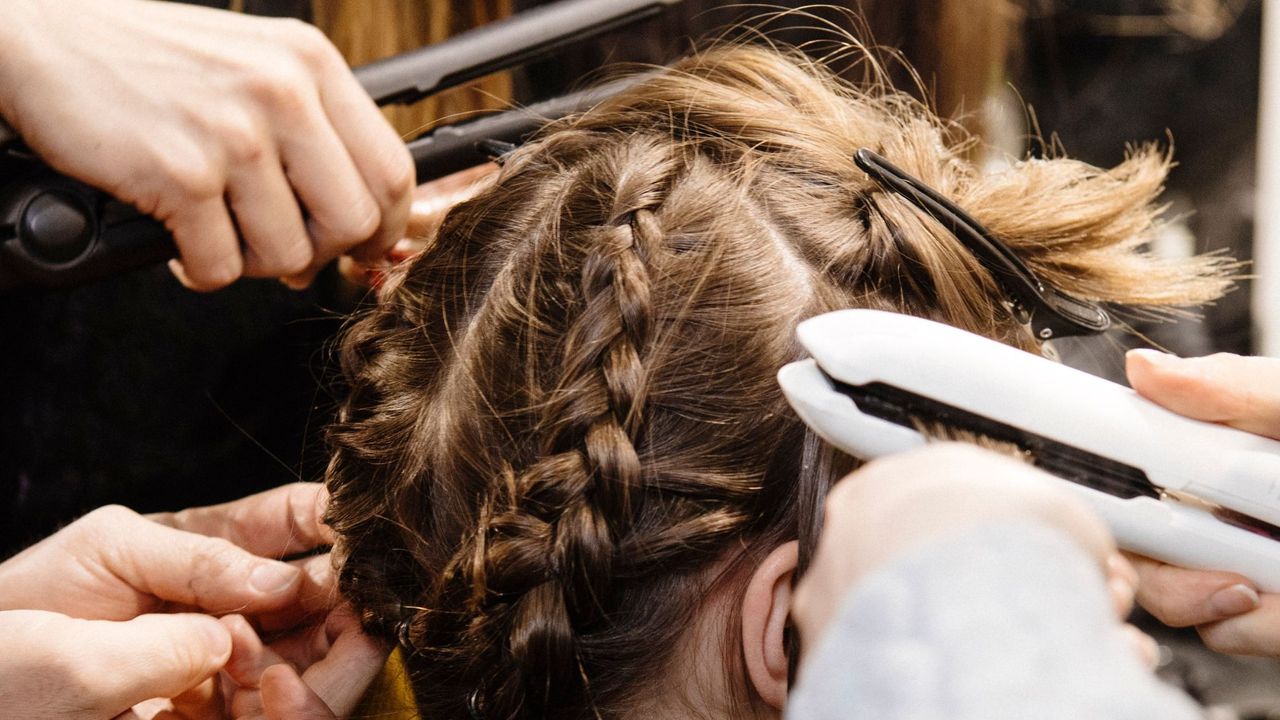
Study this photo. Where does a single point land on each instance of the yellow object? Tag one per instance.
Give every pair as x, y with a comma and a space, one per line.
390, 696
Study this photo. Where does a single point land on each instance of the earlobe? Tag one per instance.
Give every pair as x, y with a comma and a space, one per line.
766, 606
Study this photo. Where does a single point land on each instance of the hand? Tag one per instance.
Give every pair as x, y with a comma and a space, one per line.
895, 504
337, 661
432, 201
84, 612
1244, 393
225, 123
54, 667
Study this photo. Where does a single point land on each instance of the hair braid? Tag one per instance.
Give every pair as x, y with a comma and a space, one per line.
564, 444
539, 570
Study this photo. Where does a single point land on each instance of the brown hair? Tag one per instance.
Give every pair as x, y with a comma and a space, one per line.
564, 414
370, 30
959, 48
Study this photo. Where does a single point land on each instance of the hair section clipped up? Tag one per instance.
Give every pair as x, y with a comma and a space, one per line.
563, 431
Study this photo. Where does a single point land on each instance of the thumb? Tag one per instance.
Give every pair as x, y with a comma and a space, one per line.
1242, 392
103, 667
209, 573
286, 697
154, 656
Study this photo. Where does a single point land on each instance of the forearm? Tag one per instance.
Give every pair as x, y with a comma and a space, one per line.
1008, 621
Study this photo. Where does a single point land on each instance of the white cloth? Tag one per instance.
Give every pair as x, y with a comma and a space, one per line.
1008, 621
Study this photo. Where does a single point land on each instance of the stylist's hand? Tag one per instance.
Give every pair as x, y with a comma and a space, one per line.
315, 673
1244, 393
212, 122
432, 201
895, 504
98, 617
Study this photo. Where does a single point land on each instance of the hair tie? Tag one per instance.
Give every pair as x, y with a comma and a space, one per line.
473, 705
402, 633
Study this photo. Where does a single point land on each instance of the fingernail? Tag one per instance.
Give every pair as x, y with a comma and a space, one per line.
180, 272
296, 282
1144, 645
1122, 593
1148, 650
1118, 566
1155, 357
1234, 600
273, 577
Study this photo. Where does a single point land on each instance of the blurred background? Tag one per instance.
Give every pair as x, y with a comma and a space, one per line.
190, 399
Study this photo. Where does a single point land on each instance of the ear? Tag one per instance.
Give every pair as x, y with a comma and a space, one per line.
765, 608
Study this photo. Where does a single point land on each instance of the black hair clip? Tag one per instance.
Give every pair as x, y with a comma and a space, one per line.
1050, 312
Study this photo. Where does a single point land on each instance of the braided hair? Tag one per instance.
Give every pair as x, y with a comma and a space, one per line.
562, 432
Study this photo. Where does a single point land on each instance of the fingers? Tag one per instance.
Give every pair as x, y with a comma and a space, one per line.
194, 570
1144, 646
340, 663
317, 595
359, 202
276, 523
433, 200
1122, 584
267, 214
343, 211
307, 646
347, 670
1243, 392
113, 564
111, 666
249, 659
379, 154
203, 702
296, 137
286, 697
287, 107
206, 239
249, 656
1179, 597
1254, 633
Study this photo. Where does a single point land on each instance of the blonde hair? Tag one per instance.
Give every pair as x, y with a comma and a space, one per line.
564, 414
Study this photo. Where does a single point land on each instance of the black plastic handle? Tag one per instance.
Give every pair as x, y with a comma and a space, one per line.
452, 148
530, 35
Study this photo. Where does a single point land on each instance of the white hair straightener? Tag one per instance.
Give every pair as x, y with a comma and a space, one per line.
1186, 492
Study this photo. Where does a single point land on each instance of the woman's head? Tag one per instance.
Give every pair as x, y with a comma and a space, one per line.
564, 455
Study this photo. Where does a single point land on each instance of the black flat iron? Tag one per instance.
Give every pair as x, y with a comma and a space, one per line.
59, 232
